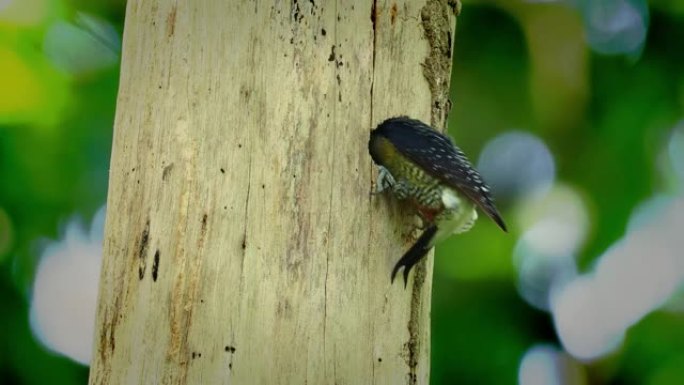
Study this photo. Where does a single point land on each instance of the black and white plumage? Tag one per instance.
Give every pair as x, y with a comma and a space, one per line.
422, 165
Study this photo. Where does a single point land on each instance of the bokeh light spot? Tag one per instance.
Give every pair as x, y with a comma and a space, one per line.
556, 226
90, 45
538, 273
25, 12
615, 26
546, 365
538, 367
4, 4
565, 217
579, 320
635, 276
65, 291
675, 151
517, 164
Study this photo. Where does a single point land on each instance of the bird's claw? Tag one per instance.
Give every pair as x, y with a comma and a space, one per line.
407, 269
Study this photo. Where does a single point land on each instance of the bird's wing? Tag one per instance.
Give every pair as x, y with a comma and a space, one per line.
439, 157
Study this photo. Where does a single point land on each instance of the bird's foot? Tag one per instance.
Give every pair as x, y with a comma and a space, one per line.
385, 181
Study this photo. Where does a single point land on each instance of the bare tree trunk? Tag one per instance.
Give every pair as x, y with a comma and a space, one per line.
242, 245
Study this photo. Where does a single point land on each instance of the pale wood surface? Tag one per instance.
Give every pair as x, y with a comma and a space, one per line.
242, 245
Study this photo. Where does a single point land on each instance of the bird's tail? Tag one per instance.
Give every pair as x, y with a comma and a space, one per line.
415, 253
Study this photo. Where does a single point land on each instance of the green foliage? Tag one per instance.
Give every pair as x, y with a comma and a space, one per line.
610, 153
55, 139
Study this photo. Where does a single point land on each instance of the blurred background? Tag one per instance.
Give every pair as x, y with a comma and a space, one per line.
572, 110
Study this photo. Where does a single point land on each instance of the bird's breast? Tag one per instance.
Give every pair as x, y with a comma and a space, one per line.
459, 213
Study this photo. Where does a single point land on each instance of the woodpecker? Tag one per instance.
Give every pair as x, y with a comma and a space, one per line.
420, 165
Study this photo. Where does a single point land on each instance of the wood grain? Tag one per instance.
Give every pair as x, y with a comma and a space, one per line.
242, 245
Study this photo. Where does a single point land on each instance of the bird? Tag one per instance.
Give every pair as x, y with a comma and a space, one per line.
420, 165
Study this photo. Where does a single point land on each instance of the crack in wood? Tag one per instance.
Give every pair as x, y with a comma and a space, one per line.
142, 250
436, 22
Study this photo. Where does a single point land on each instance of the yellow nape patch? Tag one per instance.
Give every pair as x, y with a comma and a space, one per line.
384, 151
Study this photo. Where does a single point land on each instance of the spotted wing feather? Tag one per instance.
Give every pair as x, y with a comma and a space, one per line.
439, 157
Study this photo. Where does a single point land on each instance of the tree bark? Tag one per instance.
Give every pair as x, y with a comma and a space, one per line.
242, 243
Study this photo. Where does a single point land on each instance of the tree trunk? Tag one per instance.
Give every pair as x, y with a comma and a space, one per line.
242, 245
